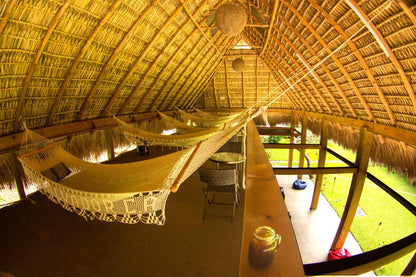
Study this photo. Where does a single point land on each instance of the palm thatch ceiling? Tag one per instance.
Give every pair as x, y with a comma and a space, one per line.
67, 61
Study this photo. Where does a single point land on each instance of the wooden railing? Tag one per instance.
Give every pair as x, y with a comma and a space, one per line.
365, 262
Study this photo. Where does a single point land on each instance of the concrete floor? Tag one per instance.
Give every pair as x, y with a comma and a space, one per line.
314, 229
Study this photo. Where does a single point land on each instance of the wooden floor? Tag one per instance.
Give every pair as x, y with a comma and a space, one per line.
43, 239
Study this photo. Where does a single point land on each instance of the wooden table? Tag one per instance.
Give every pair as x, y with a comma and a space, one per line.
264, 205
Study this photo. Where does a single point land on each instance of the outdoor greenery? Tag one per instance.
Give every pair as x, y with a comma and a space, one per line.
380, 219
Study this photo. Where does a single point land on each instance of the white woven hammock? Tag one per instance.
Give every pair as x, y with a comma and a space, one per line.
128, 193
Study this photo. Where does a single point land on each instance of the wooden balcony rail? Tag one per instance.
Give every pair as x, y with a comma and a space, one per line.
365, 262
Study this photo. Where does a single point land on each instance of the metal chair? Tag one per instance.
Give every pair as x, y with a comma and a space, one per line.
219, 181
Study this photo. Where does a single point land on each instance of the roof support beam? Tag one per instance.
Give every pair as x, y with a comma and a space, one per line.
114, 55
271, 23
328, 72
6, 14
360, 57
72, 69
34, 63
340, 65
139, 61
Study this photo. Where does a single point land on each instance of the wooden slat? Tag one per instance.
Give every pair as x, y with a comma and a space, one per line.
215, 92
264, 205
226, 83
313, 170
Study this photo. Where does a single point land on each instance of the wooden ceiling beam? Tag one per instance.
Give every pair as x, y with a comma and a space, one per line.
142, 56
393, 132
190, 92
177, 96
335, 59
302, 83
159, 75
34, 63
360, 57
299, 67
150, 90
328, 72
113, 56
7, 14
271, 24
70, 72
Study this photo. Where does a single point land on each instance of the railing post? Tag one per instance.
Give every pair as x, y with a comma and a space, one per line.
292, 138
357, 185
109, 143
321, 163
303, 141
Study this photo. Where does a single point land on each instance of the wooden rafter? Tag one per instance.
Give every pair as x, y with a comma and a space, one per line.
142, 55
215, 92
181, 74
160, 74
74, 65
35, 60
197, 24
328, 72
112, 58
7, 14
193, 95
271, 24
360, 57
178, 97
299, 67
226, 83
302, 83
336, 60
407, 10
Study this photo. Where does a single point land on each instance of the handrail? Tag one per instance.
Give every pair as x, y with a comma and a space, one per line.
409, 206
364, 262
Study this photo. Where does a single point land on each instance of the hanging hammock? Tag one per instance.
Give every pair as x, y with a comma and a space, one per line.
128, 193
195, 120
179, 126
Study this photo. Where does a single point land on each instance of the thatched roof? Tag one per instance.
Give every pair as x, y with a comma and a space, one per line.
71, 61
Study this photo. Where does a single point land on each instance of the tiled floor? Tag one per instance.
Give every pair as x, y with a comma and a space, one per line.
314, 229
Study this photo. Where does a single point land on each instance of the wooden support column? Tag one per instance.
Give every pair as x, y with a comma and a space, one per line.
109, 143
410, 268
292, 138
19, 175
357, 185
321, 163
303, 141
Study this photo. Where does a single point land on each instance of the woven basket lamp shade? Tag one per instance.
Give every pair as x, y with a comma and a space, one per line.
238, 65
230, 19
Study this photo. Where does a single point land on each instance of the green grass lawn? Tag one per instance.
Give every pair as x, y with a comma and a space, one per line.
383, 220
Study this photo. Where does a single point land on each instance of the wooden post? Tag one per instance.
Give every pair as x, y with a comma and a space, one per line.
292, 138
321, 163
357, 185
19, 175
109, 143
411, 267
303, 141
